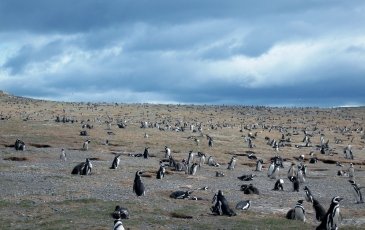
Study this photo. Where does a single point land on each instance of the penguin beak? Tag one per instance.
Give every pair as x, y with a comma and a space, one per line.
339, 199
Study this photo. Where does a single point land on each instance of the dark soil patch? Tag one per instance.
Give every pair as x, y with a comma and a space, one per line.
40, 145
181, 216
16, 159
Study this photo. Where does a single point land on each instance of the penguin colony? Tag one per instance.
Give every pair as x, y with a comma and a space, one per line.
195, 162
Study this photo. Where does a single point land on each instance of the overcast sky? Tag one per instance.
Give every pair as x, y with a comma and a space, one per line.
251, 52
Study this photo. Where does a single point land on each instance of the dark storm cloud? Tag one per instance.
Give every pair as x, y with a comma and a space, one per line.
237, 52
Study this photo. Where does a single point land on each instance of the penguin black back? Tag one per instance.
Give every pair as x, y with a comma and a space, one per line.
318, 208
332, 217
138, 186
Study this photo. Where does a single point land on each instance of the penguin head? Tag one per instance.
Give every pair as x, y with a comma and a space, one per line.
336, 199
300, 202
220, 193
352, 181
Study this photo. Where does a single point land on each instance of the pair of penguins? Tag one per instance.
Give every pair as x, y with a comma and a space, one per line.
329, 220
221, 206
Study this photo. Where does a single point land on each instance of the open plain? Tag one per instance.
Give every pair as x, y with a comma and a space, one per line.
38, 191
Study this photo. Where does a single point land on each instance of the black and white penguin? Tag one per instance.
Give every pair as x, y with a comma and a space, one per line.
19, 145
243, 205
357, 192
271, 169
115, 162
275, 172
351, 170
118, 225
161, 172
63, 156
332, 217
85, 145
212, 162
292, 171
190, 158
181, 194
259, 165
246, 177
167, 152
297, 213
232, 163
249, 189
252, 156
221, 206
120, 213
313, 160
318, 208
84, 168
138, 186
202, 158
146, 153
295, 182
279, 185
193, 169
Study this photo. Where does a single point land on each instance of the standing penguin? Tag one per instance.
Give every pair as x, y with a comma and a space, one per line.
138, 186
146, 153
115, 162
85, 146
357, 192
332, 217
271, 169
161, 172
63, 156
295, 182
221, 206
232, 163
193, 169
202, 158
190, 158
300, 176
167, 152
351, 170
318, 208
275, 172
259, 165
299, 211
292, 172
279, 185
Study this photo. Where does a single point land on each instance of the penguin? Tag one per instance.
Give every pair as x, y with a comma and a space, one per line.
120, 213
308, 194
295, 182
246, 177
190, 158
84, 168
138, 186
212, 162
357, 192
292, 172
332, 217
85, 146
202, 158
351, 170
300, 176
219, 174
118, 225
275, 172
259, 165
299, 211
279, 185
222, 204
249, 189
181, 194
232, 163
251, 156
87, 168
271, 169
161, 172
318, 208
63, 156
115, 162
193, 169
167, 152
313, 160
146, 153
243, 205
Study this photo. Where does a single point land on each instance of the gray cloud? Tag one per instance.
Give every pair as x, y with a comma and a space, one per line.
239, 52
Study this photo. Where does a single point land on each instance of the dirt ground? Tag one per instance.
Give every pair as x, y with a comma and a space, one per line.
38, 191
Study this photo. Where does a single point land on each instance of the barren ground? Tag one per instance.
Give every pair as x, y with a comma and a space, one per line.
39, 192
